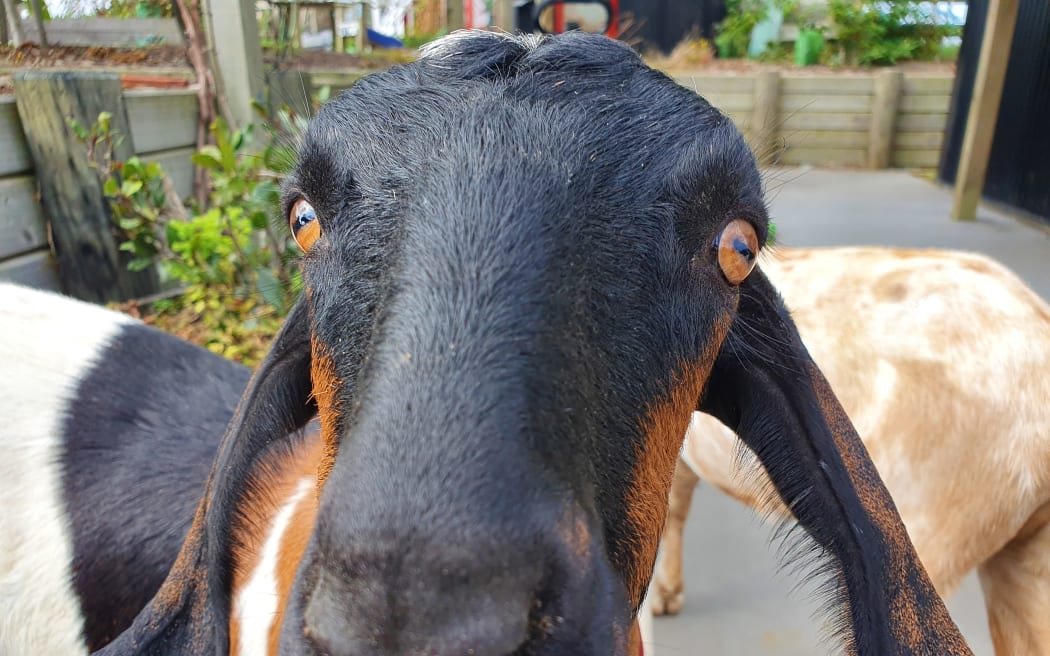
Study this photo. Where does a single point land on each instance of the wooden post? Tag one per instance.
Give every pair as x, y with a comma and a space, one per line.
765, 119
233, 33
3, 24
984, 108
884, 118
337, 18
90, 264
503, 14
38, 18
454, 16
14, 22
365, 11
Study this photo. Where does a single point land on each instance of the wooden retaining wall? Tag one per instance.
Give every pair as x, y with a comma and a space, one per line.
881, 119
163, 127
795, 119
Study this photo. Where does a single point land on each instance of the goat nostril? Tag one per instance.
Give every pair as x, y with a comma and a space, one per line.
368, 615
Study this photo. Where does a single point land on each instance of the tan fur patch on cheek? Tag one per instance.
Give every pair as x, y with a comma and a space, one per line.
325, 390
664, 430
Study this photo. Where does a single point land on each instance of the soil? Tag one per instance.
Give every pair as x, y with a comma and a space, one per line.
156, 66
167, 65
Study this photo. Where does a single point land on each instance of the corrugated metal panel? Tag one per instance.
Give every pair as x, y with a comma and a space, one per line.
1018, 169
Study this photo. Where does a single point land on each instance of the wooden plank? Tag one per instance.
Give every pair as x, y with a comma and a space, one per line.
818, 104
764, 119
932, 140
234, 40
928, 86
825, 156
826, 139
90, 265
921, 122
176, 163
35, 269
704, 84
828, 86
731, 102
984, 108
14, 152
884, 109
98, 31
22, 224
927, 104
917, 159
834, 121
342, 80
162, 120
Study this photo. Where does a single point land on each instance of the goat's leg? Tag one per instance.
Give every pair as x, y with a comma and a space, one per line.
1016, 583
668, 592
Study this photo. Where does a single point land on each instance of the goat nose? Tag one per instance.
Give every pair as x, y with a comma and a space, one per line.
372, 610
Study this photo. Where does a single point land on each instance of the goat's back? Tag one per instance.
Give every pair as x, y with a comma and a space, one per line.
940, 359
107, 433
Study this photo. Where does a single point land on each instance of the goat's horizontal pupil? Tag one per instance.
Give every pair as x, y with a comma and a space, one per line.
737, 249
303, 222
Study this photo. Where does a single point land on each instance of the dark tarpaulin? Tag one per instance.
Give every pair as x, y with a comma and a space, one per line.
661, 24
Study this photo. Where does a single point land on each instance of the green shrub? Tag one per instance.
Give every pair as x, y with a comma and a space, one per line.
733, 34
237, 271
870, 37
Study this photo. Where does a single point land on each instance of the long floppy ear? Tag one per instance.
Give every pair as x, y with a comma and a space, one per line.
190, 612
765, 386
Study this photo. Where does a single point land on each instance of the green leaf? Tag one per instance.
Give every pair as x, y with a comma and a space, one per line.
104, 119
208, 157
78, 129
110, 188
129, 224
139, 264
130, 187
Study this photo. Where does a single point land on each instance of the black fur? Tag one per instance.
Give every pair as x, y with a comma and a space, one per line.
139, 443
515, 269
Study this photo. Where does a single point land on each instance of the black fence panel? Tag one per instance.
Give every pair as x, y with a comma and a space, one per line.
1019, 165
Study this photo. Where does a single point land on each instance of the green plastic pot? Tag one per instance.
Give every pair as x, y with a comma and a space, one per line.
808, 47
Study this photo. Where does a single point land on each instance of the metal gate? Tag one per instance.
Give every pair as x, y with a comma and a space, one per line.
1019, 166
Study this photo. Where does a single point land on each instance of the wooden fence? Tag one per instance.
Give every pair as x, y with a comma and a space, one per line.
99, 31
882, 119
878, 120
163, 128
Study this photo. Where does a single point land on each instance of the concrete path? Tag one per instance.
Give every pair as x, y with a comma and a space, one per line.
737, 601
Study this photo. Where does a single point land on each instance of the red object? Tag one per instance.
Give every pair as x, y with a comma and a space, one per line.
133, 81
468, 14
559, 18
613, 31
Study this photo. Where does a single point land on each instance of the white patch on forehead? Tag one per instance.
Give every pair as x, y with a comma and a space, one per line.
257, 604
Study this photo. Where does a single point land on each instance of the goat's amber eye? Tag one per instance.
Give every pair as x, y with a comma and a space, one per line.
303, 221
737, 250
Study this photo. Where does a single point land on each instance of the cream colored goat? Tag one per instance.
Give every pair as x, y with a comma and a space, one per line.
942, 361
